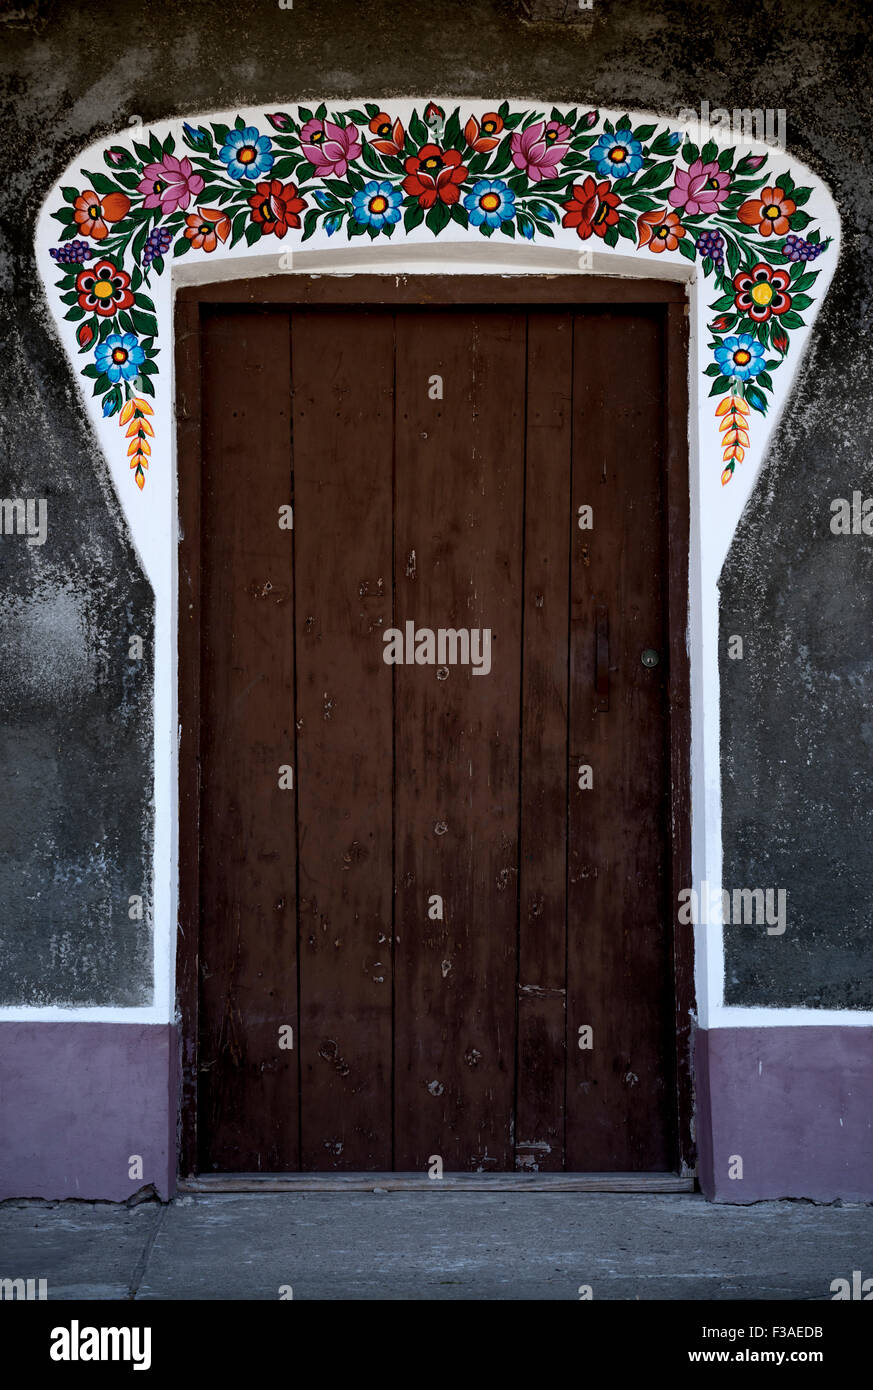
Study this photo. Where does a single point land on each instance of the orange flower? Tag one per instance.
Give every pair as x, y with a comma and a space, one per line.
484, 135
93, 213
205, 226
770, 214
660, 231
391, 136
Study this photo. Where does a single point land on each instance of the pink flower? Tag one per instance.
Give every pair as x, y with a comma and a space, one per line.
169, 185
540, 149
701, 189
330, 148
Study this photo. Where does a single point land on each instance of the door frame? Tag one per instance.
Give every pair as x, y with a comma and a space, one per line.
434, 291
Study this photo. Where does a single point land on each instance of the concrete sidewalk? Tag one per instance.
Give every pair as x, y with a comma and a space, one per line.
454, 1246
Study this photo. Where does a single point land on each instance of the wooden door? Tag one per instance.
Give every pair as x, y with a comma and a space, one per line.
432, 900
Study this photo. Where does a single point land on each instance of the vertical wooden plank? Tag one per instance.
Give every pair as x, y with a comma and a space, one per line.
620, 1092
189, 426
544, 767
677, 500
459, 489
343, 364
248, 1100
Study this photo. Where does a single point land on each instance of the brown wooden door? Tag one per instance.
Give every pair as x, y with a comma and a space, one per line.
458, 902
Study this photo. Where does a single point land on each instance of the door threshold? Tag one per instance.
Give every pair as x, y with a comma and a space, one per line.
453, 1182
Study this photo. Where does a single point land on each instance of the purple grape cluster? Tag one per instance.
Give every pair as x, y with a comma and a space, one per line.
711, 244
796, 249
158, 244
72, 253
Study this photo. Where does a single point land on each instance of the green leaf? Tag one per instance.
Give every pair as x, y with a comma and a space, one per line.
719, 386
791, 320
65, 215
181, 246
145, 324
686, 247
713, 370
653, 177
690, 152
371, 158
726, 159
610, 236
413, 217
437, 218
238, 226
799, 220
709, 152
643, 132
418, 131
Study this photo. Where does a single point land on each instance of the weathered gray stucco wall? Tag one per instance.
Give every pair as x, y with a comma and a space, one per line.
74, 811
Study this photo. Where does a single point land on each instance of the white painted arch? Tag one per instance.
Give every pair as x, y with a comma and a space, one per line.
151, 513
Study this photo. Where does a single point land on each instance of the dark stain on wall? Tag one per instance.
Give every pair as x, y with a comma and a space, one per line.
75, 813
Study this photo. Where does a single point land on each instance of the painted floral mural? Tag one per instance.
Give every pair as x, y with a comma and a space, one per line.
362, 173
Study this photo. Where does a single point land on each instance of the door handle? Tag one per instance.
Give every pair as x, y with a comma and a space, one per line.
601, 663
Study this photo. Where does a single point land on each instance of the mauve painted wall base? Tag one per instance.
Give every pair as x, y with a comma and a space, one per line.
78, 1099
796, 1104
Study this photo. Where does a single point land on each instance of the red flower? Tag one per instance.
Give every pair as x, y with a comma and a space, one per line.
660, 231
434, 174
103, 289
484, 135
780, 341
275, 206
761, 292
391, 135
592, 208
92, 213
771, 213
84, 335
721, 323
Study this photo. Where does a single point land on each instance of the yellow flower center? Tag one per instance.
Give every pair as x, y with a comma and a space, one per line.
618, 154
247, 154
762, 293
489, 202
119, 355
741, 357
663, 232
772, 211
103, 289
378, 204
431, 163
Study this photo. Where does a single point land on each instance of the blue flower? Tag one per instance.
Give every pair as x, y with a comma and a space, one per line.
324, 200
741, 356
617, 155
543, 212
246, 153
377, 203
333, 223
120, 356
491, 202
